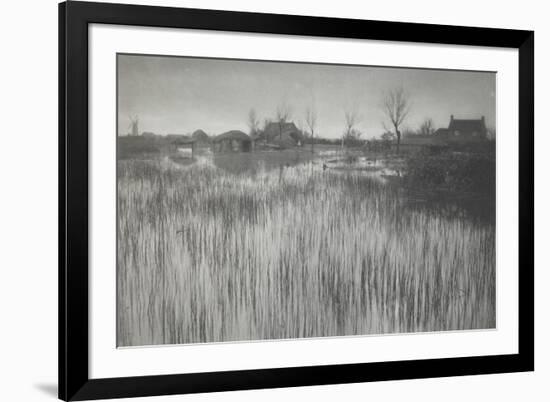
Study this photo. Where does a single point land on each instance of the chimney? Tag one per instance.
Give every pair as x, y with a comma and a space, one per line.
483, 119
452, 117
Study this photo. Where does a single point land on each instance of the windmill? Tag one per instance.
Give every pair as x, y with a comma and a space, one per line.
133, 126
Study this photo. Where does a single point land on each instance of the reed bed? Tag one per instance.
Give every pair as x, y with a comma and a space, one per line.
205, 255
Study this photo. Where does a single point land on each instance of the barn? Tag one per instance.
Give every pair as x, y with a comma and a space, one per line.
200, 137
232, 141
284, 134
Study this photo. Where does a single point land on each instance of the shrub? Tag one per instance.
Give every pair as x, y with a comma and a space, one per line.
453, 171
132, 147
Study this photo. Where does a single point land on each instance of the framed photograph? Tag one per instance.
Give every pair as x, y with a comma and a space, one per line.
258, 201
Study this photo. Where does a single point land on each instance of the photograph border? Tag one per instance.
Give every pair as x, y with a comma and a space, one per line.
74, 380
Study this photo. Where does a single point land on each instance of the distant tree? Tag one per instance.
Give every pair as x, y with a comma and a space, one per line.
396, 107
351, 118
283, 113
265, 124
426, 128
407, 132
253, 122
311, 121
387, 137
300, 125
134, 124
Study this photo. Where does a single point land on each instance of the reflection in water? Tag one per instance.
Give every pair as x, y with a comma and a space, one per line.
254, 162
388, 171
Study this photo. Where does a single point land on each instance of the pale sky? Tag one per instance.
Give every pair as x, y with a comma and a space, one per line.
179, 95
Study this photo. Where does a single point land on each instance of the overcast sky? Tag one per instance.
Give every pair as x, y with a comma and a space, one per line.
179, 95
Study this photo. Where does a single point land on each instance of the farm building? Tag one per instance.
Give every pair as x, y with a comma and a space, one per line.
200, 137
464, 130
284, 135
460, 131
232, 141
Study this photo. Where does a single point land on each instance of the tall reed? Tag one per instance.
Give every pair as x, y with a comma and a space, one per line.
206, 255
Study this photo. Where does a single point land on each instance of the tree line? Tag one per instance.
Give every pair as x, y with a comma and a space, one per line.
395, 105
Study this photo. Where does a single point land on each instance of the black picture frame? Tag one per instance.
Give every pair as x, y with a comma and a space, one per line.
74, 381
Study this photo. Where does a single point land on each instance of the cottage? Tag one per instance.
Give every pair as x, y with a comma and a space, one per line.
200, 138
232, 141
464, 130
283, 134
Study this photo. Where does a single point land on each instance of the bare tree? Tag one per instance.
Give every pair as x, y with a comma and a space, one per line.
134, 122
311, 121
283, 113
265, 125
427, 127
253, 122
351, 118
396, 106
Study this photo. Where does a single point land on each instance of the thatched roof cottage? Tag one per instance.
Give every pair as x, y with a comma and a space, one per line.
232, 141
285, 134
200, 137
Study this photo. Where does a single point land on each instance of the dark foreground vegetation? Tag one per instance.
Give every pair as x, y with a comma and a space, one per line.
248, 246
468, 169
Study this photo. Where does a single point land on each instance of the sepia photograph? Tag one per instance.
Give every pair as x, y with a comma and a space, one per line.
264, 200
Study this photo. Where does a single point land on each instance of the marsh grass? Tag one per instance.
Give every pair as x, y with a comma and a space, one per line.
210, 255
